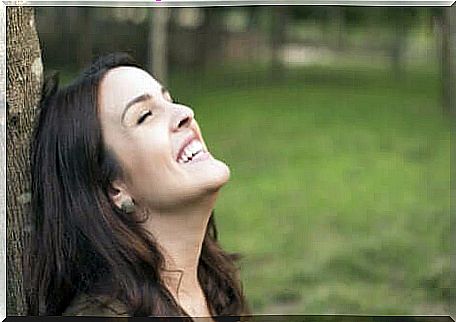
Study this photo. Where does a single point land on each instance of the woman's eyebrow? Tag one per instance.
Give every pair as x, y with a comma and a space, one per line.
138, 99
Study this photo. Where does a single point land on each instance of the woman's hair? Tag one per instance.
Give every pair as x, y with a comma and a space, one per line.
81, 242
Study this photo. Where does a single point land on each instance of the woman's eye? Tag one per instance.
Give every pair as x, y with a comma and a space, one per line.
144, 116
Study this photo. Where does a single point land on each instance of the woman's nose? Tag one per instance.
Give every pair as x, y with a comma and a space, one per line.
182, 118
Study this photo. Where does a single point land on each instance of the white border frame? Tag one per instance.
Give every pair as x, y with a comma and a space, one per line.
135, 3
206, 3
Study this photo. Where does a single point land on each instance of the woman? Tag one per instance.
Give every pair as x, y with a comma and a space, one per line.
123, 191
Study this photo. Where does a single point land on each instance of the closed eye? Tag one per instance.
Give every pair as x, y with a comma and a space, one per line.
143, 117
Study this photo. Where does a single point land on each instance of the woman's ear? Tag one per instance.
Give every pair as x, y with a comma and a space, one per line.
118, 194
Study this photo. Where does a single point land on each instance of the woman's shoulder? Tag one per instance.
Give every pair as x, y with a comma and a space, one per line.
89, 305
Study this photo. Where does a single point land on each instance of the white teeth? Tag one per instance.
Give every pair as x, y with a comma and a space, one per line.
190, 150
192, 147
197, 146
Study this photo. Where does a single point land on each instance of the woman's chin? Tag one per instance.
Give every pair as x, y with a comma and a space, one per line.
207, 169
195, 183
209, 175
220, 173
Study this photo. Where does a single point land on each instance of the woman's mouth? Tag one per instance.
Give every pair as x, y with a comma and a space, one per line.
193, 151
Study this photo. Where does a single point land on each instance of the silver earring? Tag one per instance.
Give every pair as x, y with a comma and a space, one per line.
128, 206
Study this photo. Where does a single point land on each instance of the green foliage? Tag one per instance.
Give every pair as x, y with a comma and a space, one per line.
339, 194
360, 16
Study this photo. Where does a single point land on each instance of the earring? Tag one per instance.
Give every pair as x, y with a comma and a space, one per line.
128, 206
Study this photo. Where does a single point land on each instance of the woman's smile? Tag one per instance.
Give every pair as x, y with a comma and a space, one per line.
192, 150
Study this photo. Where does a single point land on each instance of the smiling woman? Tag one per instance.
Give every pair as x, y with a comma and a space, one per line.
123, 191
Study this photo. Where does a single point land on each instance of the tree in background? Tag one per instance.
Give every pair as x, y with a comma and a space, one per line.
212, 32
85, 35
401, 20
448, 57
279, 16
24, 78
338, 20
158, 43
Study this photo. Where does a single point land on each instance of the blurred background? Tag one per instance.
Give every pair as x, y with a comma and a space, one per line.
335, 123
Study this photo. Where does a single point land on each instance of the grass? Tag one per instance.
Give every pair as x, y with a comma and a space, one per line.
339, 193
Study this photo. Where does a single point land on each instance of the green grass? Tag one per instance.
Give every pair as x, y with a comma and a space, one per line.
339, 193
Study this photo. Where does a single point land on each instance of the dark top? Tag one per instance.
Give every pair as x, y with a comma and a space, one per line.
87, 305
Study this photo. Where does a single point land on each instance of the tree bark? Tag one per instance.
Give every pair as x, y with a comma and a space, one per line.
24, 78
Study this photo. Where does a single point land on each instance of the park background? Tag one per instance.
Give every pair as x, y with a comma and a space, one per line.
335, 123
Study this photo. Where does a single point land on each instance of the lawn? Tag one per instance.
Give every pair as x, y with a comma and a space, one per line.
339, 190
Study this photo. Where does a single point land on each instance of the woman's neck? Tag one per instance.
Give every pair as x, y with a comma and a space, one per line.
179, 235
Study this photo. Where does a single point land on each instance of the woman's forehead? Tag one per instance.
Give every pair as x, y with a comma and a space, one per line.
121, 84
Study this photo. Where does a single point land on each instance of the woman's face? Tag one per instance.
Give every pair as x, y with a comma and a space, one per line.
158, 143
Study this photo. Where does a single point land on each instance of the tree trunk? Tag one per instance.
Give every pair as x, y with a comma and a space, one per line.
24, 78
398, 47
278, 24
212, 34
338, 20
158, 43
84, 47
448, 56
2, 169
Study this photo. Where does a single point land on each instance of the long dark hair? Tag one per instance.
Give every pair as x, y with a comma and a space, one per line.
81, 242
